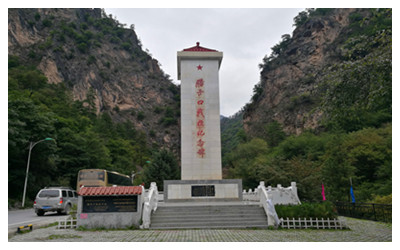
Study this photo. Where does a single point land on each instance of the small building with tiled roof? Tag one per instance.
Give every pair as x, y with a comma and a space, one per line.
110, 207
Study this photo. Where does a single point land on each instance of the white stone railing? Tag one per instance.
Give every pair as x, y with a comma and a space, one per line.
284, 196
150, 205
278, 194
268, 206
251, 195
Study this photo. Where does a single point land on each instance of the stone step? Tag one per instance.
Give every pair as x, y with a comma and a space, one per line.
237, 216
208, 218
209, 209
207, 213
208, 224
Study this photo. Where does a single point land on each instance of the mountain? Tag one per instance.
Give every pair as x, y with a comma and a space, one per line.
297, 81
322, 111
81, 78
102, 63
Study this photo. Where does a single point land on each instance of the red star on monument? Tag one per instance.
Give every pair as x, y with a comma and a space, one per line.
199, 67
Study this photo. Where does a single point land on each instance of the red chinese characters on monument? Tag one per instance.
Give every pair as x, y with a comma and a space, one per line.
200, 113
200, 83
200, 118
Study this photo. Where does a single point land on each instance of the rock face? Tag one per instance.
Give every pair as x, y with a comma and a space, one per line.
286, 92
102, 62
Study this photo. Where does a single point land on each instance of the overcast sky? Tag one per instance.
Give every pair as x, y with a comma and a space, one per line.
244, 35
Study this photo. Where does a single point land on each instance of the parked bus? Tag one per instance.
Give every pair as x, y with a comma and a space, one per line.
101, 178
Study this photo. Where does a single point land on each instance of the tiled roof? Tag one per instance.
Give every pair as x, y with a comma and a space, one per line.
199, 48
101, 191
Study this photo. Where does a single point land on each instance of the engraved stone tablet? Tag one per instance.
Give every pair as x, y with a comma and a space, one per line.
206, 190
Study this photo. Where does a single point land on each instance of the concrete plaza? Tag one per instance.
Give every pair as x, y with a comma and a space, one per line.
360, 231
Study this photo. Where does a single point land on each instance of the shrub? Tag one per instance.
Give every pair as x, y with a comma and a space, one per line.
37, 16
385, 199
47, 23
82, 47
307, 210
140, 116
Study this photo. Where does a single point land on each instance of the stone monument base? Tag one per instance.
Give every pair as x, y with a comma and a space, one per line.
203, 190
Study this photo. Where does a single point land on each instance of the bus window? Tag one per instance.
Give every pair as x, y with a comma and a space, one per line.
91, 178
91, 175
118, 179
101, 178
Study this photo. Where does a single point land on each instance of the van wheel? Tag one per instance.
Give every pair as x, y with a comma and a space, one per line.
40, 213
67, 209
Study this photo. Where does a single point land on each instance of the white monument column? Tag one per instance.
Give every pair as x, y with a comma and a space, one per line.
201, 176
198, 69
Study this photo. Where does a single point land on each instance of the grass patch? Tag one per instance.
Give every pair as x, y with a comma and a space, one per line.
50, 225
83, 228
63, 236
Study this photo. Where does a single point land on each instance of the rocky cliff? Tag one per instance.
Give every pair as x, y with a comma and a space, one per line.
102, 62
287, 91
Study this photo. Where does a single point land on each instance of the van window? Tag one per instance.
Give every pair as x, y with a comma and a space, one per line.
75, 194
49, 193
64, 193
70, 194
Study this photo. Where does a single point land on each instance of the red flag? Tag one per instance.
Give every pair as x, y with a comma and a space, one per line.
323, 192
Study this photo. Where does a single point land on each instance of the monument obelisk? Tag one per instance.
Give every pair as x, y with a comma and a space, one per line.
201, 168
198, 70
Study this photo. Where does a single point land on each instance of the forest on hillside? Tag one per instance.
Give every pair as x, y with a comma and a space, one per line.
82, 137
354, 140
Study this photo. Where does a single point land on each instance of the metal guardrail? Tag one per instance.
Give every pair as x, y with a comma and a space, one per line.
369, 211
22, 227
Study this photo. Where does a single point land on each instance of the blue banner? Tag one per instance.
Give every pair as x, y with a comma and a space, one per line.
353, 199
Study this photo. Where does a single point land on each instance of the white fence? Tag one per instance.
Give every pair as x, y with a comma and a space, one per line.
312, 223
67, 222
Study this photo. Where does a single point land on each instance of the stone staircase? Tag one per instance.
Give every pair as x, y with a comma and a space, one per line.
209, 216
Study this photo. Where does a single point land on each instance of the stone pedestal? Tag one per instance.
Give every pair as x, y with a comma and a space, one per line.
203, 190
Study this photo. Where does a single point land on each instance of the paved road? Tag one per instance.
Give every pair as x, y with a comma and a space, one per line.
360, 231
27, 216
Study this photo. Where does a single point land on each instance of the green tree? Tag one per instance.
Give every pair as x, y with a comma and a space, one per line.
274, 133
243, 164
163, 166
27, 123
369, 151
122, 155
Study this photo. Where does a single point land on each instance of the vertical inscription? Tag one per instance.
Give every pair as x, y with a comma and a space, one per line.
200, 118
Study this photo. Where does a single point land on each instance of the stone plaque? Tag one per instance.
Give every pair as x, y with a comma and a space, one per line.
205, 190
108, 204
